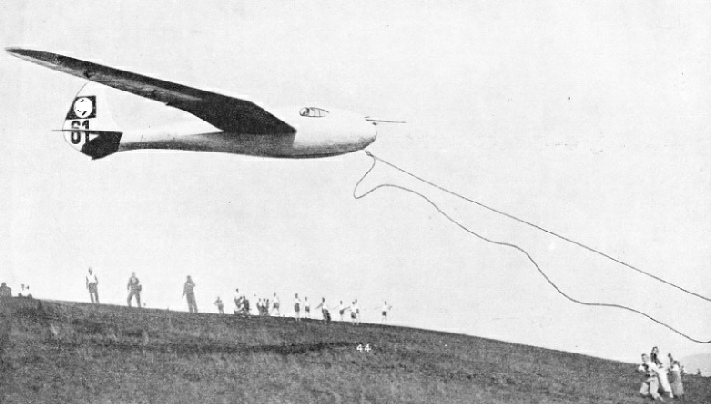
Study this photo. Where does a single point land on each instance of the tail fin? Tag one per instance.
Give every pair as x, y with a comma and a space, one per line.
89, 126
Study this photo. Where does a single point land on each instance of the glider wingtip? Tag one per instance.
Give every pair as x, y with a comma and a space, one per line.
29, 54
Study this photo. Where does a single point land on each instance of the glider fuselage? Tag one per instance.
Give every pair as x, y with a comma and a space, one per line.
338, 132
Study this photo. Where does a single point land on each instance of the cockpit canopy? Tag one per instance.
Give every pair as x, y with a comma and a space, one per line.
313, 112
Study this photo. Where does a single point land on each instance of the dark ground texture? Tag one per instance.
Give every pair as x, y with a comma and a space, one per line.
59, 352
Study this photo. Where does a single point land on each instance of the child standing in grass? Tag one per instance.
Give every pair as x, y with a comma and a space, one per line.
307, 307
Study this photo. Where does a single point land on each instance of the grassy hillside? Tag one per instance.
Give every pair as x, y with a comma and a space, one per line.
78, 353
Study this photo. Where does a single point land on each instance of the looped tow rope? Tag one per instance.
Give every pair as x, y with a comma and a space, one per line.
521, 250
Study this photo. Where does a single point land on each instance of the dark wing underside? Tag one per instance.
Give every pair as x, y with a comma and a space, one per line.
226, 113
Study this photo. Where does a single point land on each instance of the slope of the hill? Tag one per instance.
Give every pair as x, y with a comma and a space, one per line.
80, 353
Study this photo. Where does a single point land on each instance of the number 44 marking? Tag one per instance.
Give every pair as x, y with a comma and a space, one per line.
76, 136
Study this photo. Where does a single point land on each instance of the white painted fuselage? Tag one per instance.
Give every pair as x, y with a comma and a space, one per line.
336, 132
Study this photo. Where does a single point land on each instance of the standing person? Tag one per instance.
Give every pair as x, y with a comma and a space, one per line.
275, 305
355, 312
307, 307
664, 385
92, 284
324, 310
135, 288
257, 305
650, 385
342, 309
190, 295
297, 307
220, 305
238, 301
385, 311
654, 356
245, 305
675, 378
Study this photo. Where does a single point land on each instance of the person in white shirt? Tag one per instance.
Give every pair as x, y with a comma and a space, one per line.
92, 284
664, 385
650, 385
297, 307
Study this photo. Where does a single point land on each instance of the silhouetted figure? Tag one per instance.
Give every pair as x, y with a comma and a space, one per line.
190, 295
92, 284
134, 287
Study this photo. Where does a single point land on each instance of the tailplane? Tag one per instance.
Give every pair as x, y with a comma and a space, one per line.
89, 126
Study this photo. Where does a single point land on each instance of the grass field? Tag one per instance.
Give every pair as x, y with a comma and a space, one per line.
57, 352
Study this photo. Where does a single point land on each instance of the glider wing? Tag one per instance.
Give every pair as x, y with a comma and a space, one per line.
226, 113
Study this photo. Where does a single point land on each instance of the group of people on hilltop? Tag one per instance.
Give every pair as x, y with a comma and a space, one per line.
261, 306
302, 308
135, 288
660, 379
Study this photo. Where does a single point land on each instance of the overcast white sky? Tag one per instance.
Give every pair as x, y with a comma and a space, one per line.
590, 118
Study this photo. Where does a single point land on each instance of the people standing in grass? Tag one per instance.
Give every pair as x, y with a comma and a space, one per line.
92, 284
220, 305
190, 294
134, 287
307, 307
297, 307
650, 385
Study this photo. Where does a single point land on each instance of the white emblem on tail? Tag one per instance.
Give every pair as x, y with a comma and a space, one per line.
83, 107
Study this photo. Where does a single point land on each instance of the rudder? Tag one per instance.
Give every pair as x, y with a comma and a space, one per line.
89, 126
